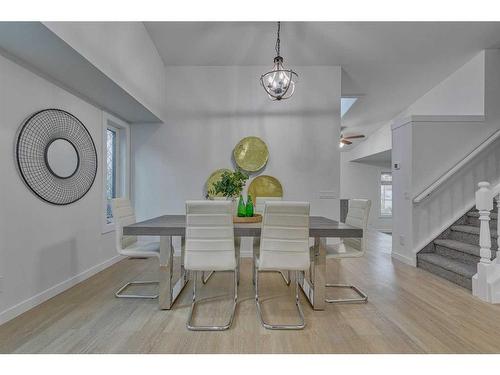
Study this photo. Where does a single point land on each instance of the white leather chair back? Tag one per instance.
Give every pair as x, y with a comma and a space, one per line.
284, 241
260, 203
123, 215
209, 236
357, 216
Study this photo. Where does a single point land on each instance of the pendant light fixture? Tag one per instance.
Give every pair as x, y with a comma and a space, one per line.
279, 83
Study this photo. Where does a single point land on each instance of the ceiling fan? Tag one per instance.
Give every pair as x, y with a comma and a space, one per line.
346, 140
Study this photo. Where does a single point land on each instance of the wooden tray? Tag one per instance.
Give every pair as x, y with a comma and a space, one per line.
256, 218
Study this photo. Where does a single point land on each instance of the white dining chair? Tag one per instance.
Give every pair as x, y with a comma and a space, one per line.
260, 203
210, 247
206, 275
123, 214
357, 216
259, 209
284, 245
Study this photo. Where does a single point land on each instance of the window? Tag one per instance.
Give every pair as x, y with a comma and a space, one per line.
386, 194
111, 170
346, 103
116, 165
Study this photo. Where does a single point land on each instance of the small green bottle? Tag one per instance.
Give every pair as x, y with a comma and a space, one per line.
241, 207
249, 208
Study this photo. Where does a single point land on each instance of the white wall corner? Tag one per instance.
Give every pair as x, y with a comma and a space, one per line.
407, 259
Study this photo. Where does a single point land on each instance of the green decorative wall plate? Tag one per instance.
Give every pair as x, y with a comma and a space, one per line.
251, 154
214, 177
265, 186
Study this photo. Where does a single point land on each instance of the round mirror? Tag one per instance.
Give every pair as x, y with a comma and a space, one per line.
62, 158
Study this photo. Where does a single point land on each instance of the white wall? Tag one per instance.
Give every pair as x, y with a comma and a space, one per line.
360, 180
124, 52
209, 109
402, 226
429, 146
44, 248
461, 93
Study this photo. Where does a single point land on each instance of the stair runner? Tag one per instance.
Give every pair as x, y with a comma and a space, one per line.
455, 253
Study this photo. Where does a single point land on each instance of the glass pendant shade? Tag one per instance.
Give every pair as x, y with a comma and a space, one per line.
279, 83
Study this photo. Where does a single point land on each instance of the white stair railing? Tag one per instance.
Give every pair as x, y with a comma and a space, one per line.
486, 282
457, 167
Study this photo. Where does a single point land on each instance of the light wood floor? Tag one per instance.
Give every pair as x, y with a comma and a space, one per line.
409, 311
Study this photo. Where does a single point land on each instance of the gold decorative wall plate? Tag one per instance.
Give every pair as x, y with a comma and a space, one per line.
251, 154
214, 177
265, 186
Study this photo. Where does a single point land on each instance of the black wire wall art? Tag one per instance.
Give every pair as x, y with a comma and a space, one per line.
56, 156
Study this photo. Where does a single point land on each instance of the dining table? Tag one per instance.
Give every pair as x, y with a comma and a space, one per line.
167, 227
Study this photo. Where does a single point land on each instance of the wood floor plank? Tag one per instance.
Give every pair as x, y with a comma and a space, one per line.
409, 311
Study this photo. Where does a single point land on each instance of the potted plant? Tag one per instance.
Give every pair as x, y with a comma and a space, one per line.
230, 185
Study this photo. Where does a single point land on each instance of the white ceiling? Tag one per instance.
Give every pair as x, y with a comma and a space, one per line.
34, 46
390, 64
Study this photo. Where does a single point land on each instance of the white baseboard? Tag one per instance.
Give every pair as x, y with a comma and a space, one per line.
37, 299
411, 261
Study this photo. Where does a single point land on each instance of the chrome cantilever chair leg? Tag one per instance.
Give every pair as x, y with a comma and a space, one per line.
299, 326
192, 327
363, 297
286, 278
119, 293
204, 279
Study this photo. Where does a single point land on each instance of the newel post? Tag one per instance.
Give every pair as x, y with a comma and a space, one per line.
486, 282
484, 203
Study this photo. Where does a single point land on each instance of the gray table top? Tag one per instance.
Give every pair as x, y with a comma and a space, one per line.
175, 225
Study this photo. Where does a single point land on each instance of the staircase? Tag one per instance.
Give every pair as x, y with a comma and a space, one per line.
454, 255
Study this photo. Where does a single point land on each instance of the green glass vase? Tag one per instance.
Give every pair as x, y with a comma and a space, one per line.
249, 207
241, 207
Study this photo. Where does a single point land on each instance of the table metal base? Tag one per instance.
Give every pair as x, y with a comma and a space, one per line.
314, 284
169, 291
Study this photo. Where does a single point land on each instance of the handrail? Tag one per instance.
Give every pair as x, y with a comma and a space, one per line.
495, 190
450, 172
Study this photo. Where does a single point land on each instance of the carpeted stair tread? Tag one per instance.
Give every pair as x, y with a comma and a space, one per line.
458, 246
455, 266
455, 254
471, 229
493, 215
